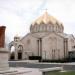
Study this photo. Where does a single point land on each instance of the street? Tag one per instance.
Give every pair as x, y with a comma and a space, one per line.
42, 65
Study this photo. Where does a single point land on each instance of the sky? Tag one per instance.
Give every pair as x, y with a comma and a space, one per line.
17, 15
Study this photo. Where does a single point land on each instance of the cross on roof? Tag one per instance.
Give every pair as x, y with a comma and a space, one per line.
45, 9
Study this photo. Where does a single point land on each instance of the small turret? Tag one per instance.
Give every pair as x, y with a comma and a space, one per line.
16, 38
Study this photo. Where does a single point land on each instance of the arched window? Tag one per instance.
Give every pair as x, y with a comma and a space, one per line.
20, 47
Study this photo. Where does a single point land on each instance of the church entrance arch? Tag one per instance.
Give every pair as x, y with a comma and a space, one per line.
12, 56
12, 52
20, 51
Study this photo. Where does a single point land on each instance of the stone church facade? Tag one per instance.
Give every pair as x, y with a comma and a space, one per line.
46, 39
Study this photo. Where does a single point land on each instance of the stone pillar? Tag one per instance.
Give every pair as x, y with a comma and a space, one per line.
22, 51
16, 55
4, 59
38, 47
65, 47
3, 51
23, 55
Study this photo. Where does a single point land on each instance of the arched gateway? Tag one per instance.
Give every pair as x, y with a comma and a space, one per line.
16, 49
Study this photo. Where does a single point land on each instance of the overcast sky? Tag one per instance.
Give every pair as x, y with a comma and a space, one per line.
17, 15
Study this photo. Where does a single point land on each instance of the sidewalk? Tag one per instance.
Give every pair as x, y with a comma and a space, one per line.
36, 62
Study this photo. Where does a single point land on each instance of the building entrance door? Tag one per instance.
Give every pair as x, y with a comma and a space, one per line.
19, 55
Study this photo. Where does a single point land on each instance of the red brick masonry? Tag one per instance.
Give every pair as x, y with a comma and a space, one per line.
2, 36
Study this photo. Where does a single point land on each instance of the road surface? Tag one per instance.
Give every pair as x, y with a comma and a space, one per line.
42, 65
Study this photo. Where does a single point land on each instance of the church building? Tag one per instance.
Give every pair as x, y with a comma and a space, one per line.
46, 39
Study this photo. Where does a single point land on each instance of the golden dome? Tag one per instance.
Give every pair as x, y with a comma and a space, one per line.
45, 18
46, 23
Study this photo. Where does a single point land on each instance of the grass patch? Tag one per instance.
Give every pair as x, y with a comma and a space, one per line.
60, 73
66, 73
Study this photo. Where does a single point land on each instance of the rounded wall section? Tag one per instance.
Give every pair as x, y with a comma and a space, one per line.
46, 28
